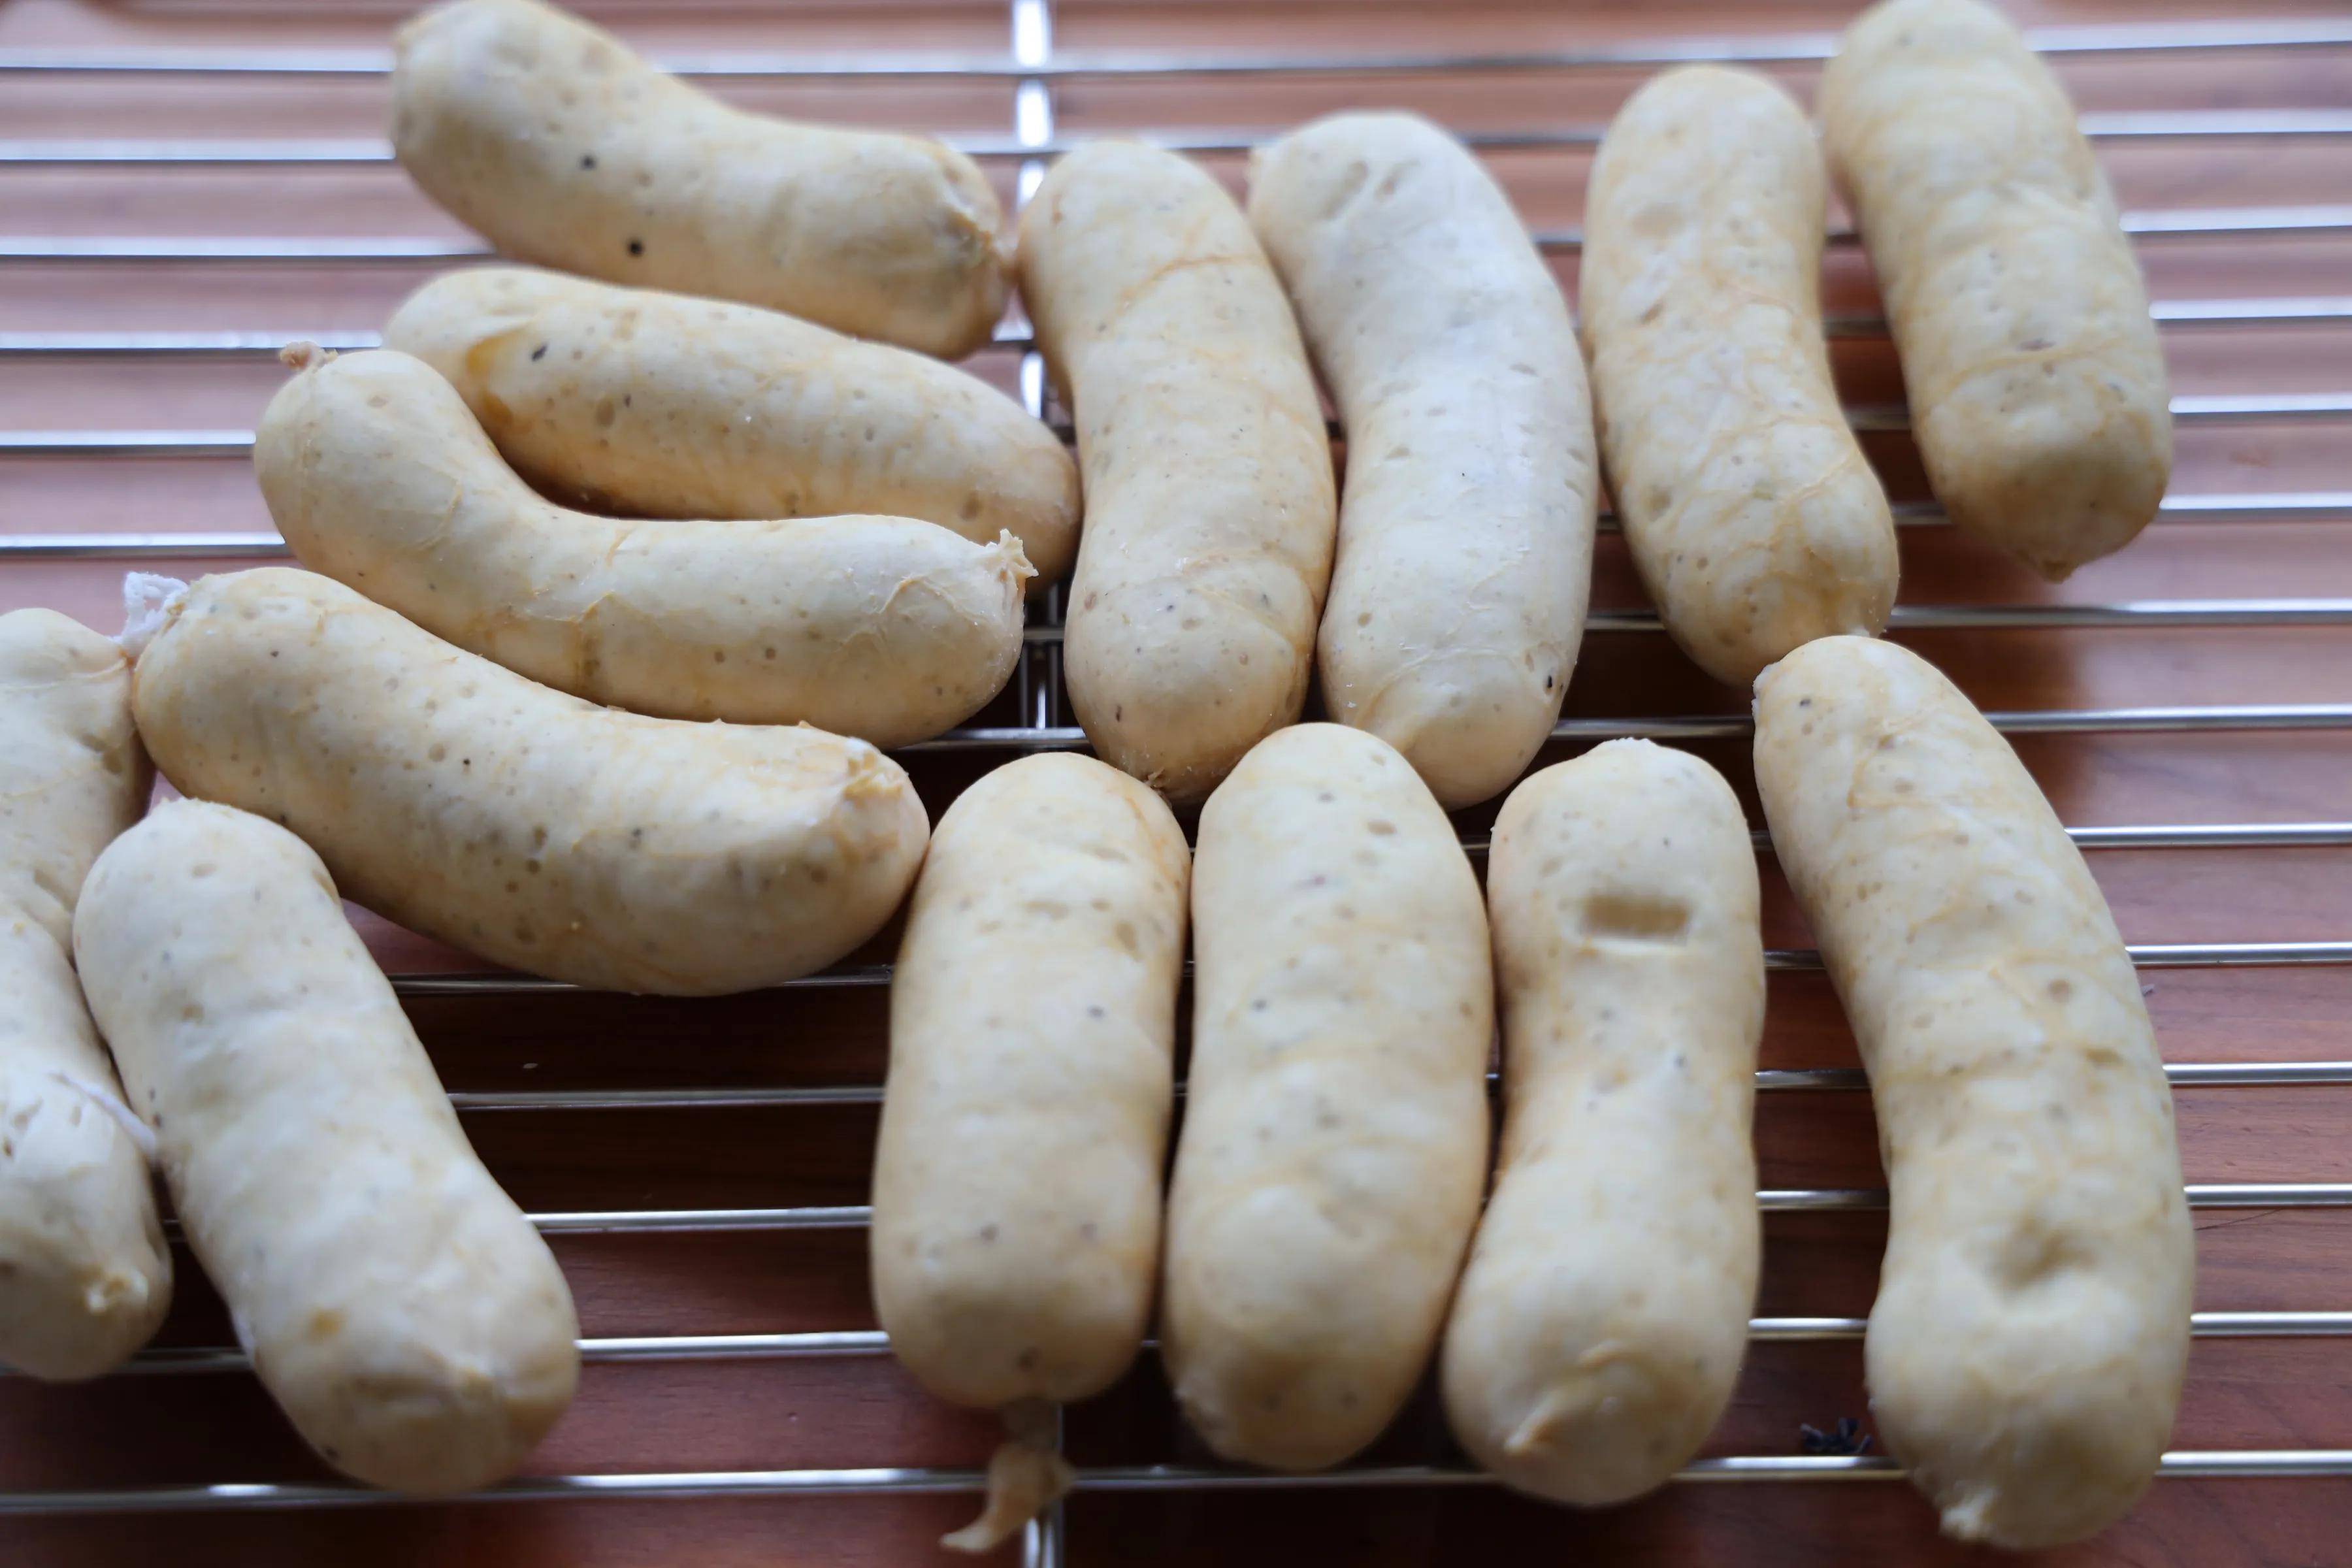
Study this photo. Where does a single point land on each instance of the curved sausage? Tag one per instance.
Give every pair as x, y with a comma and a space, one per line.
396, 1304
883, 627
1210, 501
1749, 510
657, 404
2025, 1354
565, 149
533, 828
1466, 534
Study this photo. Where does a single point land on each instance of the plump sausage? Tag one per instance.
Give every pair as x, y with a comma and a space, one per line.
1466, 534
883, 627
2025, 1354
2036, 380
536, 829
565, 149
1210, 500
396, 1304
1600, 1324
1749, 510
657, 404
84, 1274
1334, 1143
1033, 1018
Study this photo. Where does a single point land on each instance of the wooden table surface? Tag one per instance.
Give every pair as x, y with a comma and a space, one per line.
769, 1414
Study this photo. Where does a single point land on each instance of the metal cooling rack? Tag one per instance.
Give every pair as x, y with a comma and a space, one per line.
1031, 67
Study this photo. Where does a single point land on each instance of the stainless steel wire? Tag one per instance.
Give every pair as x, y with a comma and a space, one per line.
917, 1480
2245, 506
2283, 311
2188, 409
2167, 125
407, 250
172, 1361
2159, 37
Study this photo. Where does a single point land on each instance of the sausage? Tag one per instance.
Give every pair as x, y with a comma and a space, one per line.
2026, 1351
883, 627
1333, 1145
1033, 1021
1600, 1324
1210, 501
2036, 380
1748, 509
655, 405
84, 1274
1466, 534
396, 1304
537, 830
565, 149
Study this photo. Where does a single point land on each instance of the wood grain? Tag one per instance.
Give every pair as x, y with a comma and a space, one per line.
863, 1411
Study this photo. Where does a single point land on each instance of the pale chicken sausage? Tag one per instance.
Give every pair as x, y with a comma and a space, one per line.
655, 405
396, 1304
2025, 1354
887, 628
1601, 1320
565, 149
1749, 510
1033, 1020
2035, 376
1211, 505
1465, 532
1334, 1146
85, 1277
534, 828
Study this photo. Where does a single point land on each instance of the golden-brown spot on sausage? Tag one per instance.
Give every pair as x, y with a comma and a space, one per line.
1636, 917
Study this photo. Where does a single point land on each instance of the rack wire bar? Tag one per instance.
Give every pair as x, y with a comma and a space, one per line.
2166, 125
1738, 726
2207, 408
2318, 217
1772, 1200
905, 1480
845, 1343
2227, 407
2182, 1074
2035, 721
2168, 614
2183, 223
239, 248
2249, 506
1044, 1537
260, 344
2284, 311
1785, 960
135, 546
1771, 48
